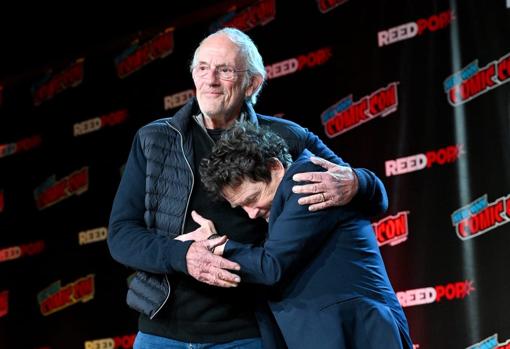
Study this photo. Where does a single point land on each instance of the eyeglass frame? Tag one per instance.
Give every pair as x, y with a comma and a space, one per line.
218, 73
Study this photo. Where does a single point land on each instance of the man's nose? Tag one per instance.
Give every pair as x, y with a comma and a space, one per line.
212, 75
252, 212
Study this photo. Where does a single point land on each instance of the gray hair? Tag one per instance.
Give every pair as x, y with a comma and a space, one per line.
249, 53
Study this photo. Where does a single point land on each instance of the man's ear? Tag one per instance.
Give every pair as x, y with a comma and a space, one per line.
276, 167
255, 82
275, 164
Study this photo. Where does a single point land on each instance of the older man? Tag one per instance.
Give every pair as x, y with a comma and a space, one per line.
161, 187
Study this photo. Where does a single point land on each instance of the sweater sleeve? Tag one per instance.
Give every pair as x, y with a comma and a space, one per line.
129, 240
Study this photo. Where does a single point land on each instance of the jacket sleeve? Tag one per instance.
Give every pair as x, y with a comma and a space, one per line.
129, 240
371, 197
293, 238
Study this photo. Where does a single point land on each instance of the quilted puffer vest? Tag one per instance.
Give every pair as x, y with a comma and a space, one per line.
169, 183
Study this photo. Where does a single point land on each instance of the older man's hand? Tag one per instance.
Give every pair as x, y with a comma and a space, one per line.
335, 187
208, 268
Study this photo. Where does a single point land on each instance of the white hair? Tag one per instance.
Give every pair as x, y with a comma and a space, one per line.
249, 53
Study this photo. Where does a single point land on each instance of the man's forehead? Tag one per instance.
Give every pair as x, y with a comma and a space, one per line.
219, 45
219, 40
240, 193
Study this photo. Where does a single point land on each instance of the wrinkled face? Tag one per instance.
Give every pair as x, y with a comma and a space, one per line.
255, 197
218, 97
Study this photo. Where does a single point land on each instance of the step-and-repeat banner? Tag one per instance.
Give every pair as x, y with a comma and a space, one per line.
413, 90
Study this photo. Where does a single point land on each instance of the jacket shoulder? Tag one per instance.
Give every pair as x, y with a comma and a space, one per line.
275, 122
158, 129
302, 164
169, 125
156, 126
288, 130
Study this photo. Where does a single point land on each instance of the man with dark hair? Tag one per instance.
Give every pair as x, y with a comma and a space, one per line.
331, 289
160, 190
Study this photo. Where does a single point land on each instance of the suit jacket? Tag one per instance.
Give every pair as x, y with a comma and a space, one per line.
327, 275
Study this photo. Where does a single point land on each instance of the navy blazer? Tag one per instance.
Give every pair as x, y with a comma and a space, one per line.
327, 274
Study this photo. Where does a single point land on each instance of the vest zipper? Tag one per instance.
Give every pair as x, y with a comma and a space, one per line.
185, 212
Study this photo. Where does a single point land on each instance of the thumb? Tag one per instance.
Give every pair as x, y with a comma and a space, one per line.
210, 244
197, 218
322, 162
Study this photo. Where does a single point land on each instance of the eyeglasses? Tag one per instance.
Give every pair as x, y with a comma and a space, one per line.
224, 72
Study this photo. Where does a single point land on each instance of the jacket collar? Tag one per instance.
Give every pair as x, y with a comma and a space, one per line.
182, 118
250, 113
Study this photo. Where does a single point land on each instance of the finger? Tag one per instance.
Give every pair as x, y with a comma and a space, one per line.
309, 188
311, 199
216, 242
223, 263
309, 176
203, 222
221, 280
198, 218
216, 275
322, 162
222, 283
184, 237
320, 206
226, 276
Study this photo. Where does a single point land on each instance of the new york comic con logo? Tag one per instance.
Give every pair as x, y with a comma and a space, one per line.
348, 114
52, 191
328, 5
139, 55
260, 13
55, 297
392, 230
51, 85
473, 81
490, 343
480, 216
